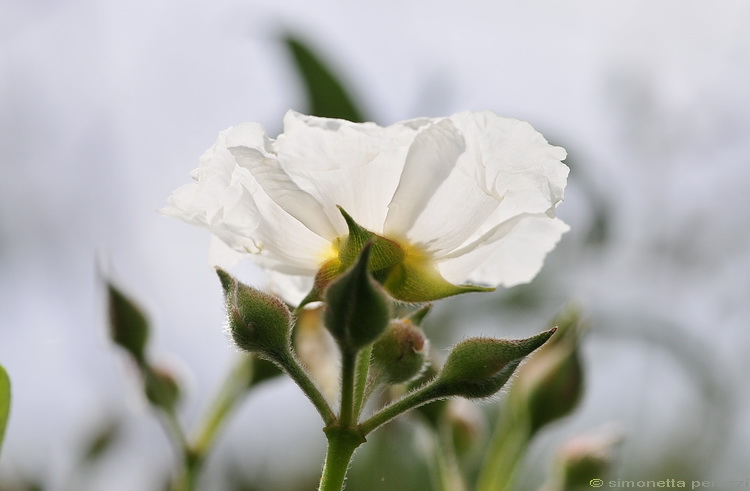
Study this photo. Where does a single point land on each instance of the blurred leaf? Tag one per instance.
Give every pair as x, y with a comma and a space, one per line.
128, 324
101, 441
261, 371
4, 402
326, 95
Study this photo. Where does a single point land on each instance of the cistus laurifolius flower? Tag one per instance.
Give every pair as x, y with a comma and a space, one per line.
468, 198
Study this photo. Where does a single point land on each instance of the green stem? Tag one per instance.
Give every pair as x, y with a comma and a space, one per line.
508, 445
446, 461
233, 389
188, 481
342, 442
292, 367
346, 415
189, 469
360, 383
419, 397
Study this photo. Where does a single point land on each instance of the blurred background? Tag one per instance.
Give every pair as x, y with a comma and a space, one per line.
105, 107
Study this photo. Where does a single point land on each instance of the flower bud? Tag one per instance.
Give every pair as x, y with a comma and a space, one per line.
550, 385
586, 457
161, 387
400, 353
357, 311
259, 323
479, 367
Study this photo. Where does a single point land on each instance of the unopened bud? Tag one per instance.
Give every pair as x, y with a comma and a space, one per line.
259, 322
357, 310
586, 457
161, 387
550, 385
399, 354
479, 367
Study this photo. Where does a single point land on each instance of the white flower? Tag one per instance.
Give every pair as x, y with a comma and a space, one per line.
469, 198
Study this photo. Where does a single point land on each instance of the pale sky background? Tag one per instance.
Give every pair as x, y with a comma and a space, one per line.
105, 107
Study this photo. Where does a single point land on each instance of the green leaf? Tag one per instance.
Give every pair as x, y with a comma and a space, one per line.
326, 95
101, 441
4, 402
127, 323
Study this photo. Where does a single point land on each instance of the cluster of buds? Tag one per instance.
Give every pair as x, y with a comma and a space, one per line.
358, 314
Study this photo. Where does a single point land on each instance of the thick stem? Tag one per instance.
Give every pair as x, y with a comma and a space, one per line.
188, 480
342, 442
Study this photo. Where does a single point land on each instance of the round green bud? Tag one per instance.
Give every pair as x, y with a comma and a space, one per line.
161, 387
259, 323
399, 355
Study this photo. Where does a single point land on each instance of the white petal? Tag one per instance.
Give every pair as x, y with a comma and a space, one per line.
518, 166
221, 255
284, 192
511, 254
356, 166
431, 159
292, 288
506, 170
227, 200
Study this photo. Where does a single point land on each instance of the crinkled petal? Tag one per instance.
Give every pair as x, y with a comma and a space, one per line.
507, 169
511, 253
516, 164
431, 159
355, 166
228, 200
284, 192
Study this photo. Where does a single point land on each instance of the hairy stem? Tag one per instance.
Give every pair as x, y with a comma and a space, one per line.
342, 442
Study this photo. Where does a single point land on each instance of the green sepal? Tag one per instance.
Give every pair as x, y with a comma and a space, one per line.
357, 310
4, 403
417, 317
384, 254
417, 279
408, 276
259, 323
479, 367
128, 326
